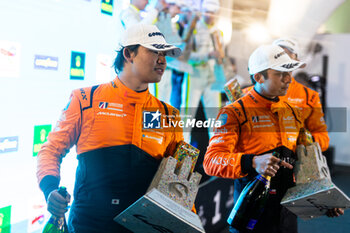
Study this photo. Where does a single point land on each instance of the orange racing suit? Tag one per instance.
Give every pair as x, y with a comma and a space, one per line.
117, 155
308, 101
251, 126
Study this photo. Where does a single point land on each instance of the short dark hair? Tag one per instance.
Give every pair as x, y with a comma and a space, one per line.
263, 73
120, 59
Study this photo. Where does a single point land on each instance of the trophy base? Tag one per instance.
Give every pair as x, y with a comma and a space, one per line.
311, 200
155, 212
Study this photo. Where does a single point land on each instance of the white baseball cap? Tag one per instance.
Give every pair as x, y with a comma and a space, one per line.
149, 37
211, 5
288, 43
271, 57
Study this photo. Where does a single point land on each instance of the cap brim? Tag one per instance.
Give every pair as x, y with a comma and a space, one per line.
290, 66
303, 66
171, 50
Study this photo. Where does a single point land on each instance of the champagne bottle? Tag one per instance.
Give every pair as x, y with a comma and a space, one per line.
251, 203
57, 224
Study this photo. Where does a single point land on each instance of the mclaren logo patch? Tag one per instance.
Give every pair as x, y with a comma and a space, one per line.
103, 105
111, 106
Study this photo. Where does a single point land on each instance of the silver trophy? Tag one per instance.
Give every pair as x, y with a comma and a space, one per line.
314, 192
166, 207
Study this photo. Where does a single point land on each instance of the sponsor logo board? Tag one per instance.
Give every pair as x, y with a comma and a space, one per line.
77, 66
44, 62
5, 219
10, 55
107, 7
40, 136
8, 144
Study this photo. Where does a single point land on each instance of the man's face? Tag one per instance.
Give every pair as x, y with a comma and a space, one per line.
174, 10
140, 4
185, 16
276, 84
148, 65
209, 17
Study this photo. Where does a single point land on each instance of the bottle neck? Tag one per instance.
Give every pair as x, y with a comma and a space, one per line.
264, 179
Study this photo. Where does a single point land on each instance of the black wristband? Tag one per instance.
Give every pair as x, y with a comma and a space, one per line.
247, 163
48, 184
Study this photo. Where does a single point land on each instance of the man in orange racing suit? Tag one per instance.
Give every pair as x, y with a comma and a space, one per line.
306, 99
118, 137
252, 128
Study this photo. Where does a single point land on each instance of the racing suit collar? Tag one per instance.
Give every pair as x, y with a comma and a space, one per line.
263, 98
128, 94
274, 104
293, 80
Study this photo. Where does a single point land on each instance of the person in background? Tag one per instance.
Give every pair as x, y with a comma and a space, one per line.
255, 126
203, 58
176, 67
114, 129
131, 15
186, 26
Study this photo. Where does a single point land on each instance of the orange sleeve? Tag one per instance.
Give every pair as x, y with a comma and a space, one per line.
315, 123
59, 141
221, 159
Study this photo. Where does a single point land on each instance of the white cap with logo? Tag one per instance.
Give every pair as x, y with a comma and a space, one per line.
149, 37
288, 43
271, 57
211, 5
